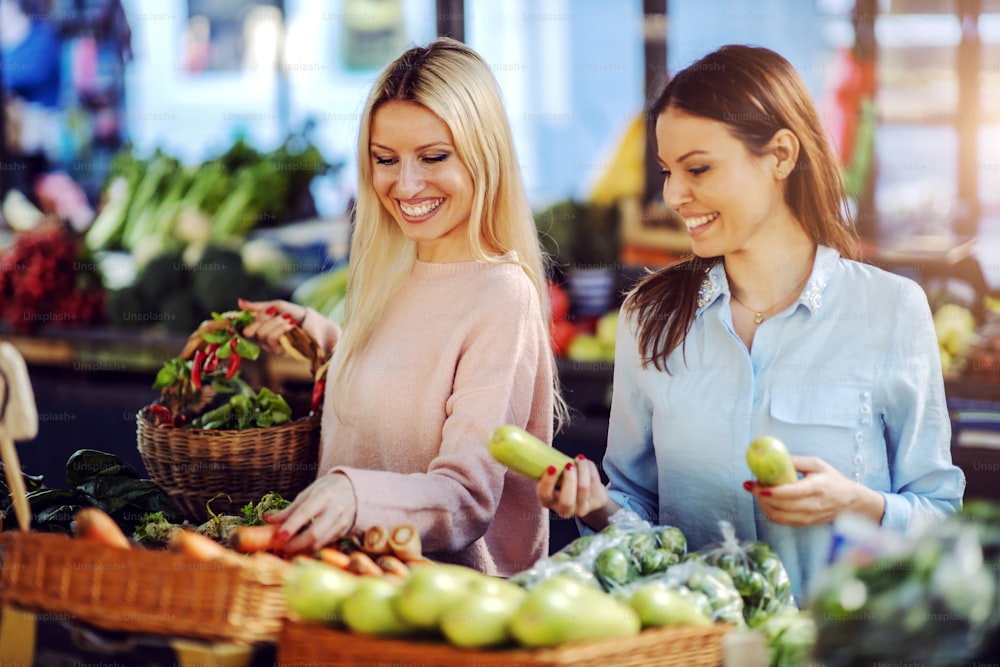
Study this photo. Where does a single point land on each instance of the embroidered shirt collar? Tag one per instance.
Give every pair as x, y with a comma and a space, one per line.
715, 283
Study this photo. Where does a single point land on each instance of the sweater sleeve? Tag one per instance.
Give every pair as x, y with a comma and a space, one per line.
497, 381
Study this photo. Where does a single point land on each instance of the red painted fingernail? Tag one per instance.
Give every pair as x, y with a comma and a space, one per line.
581, 457
765, 492
271, 310
569, 466
551, 470
288, 318
748, 486
282, 537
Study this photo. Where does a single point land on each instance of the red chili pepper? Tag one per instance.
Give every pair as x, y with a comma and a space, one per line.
161, 415
211, 360
234, 360
317, 396
196, 364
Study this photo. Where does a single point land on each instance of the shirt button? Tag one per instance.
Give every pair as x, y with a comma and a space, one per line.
865, 420
865, 395
865, 409
858, 437
858, 460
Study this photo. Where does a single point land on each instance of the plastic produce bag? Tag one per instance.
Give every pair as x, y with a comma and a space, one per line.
628, 549
930, 600
756, 571
709, 588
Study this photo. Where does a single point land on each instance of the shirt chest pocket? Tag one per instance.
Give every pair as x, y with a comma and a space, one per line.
835, 422
849, 406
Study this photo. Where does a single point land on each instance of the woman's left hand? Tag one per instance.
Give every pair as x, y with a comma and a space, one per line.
320, 514
817, 498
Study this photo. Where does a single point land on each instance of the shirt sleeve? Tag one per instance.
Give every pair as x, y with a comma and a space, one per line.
925, 483
630, 459
497, 381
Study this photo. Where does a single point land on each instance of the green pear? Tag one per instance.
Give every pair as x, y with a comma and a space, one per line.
658, 605
428, 592
481, 620
770, 462
562, 610
316, 592
370, 609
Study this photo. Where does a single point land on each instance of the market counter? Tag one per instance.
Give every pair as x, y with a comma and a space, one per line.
42, 638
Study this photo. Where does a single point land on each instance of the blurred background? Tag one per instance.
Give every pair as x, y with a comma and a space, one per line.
162, 157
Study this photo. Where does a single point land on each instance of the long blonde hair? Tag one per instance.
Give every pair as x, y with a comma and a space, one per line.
452, 81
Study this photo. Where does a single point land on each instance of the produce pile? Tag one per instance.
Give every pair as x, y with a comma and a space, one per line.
585, 340
967, 346
325, 292
930, 599
160, 201
96, 480
173, 290
202, 387
48, 278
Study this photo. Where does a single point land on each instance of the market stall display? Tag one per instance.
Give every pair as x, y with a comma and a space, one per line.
48, 278
930, 598
210, 433
92, 575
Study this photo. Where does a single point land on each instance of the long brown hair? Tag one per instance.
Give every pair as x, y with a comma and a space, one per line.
755, 92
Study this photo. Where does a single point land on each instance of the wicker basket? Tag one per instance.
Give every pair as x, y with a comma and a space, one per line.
309, 644
194, 466
142, 591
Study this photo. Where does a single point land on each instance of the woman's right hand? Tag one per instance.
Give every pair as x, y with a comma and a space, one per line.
272, 320
580, 491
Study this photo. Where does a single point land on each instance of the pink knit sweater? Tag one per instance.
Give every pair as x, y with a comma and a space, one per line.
461, 350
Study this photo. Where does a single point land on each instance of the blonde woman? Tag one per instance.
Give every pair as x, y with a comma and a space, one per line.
446, 329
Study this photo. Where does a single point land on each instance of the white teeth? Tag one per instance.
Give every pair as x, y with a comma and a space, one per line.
422, 209
700, 220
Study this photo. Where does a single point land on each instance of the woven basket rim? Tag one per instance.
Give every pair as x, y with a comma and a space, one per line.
304, 643
104, 586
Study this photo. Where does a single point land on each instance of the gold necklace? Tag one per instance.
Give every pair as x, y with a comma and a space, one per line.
758, 315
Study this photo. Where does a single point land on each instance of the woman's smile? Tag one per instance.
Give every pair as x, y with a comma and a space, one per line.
420, 209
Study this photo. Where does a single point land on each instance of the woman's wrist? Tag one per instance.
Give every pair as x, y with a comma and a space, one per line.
867, 502
599, 519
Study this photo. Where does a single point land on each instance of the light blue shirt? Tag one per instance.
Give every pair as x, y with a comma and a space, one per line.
850, 373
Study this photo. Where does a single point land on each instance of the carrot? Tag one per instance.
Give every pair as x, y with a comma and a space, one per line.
392, 565
91, 523
405, 542
334, 557
200, 547
362, 564
376, 541
247, 539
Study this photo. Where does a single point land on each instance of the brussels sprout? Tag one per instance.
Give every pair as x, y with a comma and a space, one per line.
656, 560
614, 567
641, 542
577, 546
672, 538
751, 585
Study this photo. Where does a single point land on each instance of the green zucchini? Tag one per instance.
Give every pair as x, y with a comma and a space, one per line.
524, 453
